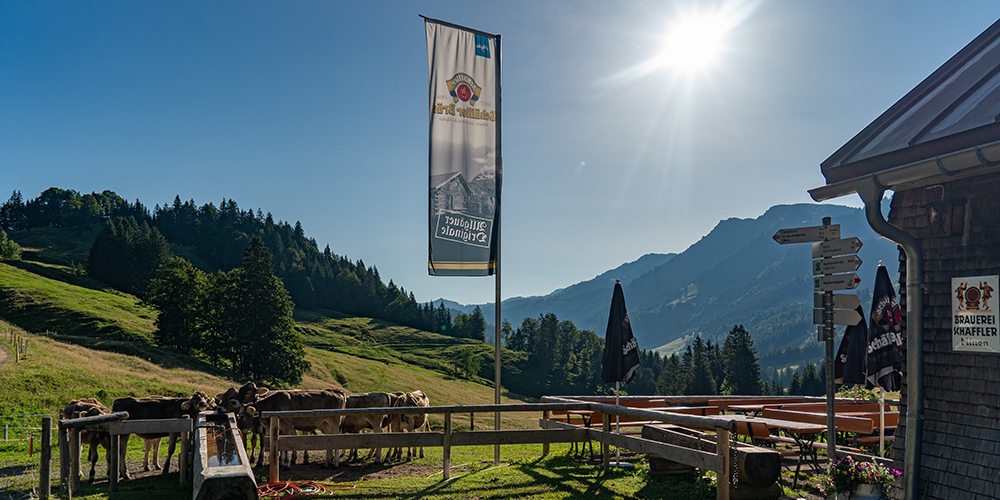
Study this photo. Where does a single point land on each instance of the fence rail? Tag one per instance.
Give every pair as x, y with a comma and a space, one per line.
719, 462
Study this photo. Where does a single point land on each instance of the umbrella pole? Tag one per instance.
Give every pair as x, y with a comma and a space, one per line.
618, 451
881, 422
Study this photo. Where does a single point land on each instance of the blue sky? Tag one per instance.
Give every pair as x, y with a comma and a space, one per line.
317, 112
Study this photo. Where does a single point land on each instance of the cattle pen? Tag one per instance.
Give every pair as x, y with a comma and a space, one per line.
720, 461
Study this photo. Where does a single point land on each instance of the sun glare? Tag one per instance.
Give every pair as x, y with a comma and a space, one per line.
694, 42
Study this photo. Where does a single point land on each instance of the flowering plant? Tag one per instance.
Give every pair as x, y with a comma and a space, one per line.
846, 474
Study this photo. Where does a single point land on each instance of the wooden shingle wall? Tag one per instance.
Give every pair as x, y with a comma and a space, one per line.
961, 435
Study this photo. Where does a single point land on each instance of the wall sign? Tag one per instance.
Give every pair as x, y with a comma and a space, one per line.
974, 325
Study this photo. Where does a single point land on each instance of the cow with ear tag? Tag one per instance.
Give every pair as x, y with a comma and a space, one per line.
153, 408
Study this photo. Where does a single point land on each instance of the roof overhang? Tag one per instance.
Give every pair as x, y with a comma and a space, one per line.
957, 165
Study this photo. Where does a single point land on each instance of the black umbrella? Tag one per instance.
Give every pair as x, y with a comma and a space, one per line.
852, 358
885, 335
621, 353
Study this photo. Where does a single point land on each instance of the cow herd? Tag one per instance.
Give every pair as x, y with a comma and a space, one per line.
247, 403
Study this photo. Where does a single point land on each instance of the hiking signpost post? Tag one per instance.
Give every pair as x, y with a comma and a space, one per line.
833, 270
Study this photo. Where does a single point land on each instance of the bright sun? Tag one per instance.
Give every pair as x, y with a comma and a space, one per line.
694, 41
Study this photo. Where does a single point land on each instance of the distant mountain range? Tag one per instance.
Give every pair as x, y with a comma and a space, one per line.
736, 274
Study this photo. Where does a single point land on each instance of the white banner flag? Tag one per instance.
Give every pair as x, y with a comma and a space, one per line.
465, 171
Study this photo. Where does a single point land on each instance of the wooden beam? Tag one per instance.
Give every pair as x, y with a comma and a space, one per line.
152, 426
45, 467
447, 447
517, 437
273, 459
724, 482
71, 423
699, 459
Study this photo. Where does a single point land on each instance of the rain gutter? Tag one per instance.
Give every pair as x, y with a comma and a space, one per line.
871, 192
962, 163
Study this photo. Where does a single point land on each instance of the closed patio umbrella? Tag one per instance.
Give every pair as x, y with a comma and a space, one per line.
885, 344
620, 359
852, 357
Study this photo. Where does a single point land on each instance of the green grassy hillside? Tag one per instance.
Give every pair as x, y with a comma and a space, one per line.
97, 342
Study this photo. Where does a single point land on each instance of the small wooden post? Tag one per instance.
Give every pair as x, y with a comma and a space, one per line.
472, 421
17, 351
725, 477
45, 467
605, 449
64, 485
74, 454
114, 468
273, 451
25, 348
545, 446
447, 446
182, 461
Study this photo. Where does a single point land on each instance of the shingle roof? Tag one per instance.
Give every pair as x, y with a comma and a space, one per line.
956, 108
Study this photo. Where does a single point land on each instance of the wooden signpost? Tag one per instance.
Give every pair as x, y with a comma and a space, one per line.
833, 271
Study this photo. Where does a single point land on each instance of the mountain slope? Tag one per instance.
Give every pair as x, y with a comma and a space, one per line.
736, 274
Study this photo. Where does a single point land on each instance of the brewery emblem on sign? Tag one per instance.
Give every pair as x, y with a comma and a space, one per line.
973, 317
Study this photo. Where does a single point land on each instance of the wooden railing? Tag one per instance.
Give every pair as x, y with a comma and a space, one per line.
552, 432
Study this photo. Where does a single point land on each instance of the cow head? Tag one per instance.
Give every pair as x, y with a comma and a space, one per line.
196, 404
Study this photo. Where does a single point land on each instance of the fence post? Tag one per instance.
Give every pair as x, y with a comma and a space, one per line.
114, 468
64, 485
447, 445
605, 448
545, 446
45, 467
74, 454
472, 421
725, 477
17, 351
182, 461
25, 348
273, 451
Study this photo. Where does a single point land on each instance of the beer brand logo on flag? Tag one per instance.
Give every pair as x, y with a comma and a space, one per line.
463, 88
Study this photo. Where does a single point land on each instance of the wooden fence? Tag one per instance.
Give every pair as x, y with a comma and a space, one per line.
553, 432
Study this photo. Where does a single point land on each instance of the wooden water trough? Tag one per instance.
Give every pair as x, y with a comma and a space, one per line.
221, 468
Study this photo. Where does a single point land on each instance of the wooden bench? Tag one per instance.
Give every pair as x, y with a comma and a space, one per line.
843, 423
838, 407
730, 403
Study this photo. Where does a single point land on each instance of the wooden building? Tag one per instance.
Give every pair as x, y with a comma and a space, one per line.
938, 150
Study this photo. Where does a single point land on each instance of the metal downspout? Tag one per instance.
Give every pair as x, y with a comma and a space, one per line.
871, 193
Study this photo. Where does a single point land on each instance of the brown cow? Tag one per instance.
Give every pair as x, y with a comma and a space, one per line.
90, 407
158, 408
412, 422
330, 399
233, 401
376, 422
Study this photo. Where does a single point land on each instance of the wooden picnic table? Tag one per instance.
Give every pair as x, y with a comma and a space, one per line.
802, 434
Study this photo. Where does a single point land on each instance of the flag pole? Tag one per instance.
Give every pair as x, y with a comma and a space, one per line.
499, 183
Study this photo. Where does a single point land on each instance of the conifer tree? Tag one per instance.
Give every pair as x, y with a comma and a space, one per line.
253, 325
178, 293
742, 373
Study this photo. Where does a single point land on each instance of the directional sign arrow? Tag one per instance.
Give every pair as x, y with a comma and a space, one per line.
836, 247
840, 300
840, 317
848, 281
805, 234
833, 265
